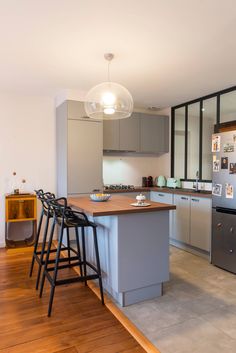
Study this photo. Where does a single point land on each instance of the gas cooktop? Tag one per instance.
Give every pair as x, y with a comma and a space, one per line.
119, 187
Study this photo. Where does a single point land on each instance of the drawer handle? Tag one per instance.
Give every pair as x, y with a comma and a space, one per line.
219, 225
195, 200
184, 198
231, 230
161, 195
231, 251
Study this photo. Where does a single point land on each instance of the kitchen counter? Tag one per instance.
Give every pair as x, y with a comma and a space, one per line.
133, 246
115, 205
181, 191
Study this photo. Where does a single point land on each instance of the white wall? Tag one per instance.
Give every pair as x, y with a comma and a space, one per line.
27, 145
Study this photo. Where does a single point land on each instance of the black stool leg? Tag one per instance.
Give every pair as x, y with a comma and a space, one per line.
78, 250
55, 273
42, 252
68, 243
98, 263
47, 258
36, 244
84, 255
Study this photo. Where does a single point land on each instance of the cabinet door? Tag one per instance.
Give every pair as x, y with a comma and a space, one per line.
163, 197
84, 156
154, 134
181, 218
111, 135
130, 133
200, 224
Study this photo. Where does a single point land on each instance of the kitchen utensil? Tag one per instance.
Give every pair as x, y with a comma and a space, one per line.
144, 181
144, 204
150, 181
161, 181
140, 199
173, 183
99, 197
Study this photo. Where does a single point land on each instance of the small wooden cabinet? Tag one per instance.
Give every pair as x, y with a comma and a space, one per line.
21, 208
21, 219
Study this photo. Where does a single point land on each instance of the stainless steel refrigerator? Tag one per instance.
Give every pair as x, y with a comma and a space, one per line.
223, 250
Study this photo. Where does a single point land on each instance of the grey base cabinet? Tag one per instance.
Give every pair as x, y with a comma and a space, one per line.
181, 218
192, 221
200, 223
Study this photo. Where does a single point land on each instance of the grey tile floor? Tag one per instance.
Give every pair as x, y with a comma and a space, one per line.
197, 312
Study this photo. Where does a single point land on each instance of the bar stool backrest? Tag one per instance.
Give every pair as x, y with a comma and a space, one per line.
44, 197
64, 215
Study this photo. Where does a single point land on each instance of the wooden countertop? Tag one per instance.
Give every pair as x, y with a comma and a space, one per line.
181, 191
115, 205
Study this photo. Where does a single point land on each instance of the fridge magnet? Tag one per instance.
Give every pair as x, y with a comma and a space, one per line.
232, 168
217, 190
229, 191
224, 162
215, 143
228, 147
216, 165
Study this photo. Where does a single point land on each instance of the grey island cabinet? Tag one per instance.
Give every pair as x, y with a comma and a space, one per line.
133, 246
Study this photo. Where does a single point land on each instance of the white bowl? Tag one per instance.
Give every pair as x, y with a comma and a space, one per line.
99, 197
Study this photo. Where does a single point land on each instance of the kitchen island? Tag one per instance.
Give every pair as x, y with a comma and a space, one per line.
133, 246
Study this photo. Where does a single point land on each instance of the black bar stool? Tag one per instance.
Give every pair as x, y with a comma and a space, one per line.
39, 254
66, 218
45, 212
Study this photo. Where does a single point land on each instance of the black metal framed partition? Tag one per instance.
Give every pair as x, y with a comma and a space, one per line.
197, 120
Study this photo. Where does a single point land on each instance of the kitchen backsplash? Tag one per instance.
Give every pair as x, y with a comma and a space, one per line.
129, 169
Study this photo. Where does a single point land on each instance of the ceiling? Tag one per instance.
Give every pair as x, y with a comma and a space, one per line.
166, 52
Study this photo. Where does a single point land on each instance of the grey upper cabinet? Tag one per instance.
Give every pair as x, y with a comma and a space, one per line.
140, 133
111, 135
154, 134
130, 133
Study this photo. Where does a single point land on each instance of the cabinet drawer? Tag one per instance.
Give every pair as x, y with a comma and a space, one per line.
158, 196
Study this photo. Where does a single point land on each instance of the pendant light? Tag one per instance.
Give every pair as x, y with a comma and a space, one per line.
108, 100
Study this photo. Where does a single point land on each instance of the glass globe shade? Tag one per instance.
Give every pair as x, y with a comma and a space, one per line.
108, 101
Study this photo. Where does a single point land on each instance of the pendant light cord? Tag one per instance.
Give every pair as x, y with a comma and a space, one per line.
108, 71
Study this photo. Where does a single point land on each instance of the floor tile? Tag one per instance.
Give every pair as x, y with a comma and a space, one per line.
197, 312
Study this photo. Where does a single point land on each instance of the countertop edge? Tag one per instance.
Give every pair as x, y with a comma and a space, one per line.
206, 194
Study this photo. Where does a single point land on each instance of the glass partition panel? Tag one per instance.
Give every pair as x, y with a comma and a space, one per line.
228, 107
208, 122
179, 143
193, 140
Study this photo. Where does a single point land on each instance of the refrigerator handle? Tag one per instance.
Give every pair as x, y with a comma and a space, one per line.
226, 210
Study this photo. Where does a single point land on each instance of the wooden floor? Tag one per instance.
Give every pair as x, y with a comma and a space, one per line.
79, 322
